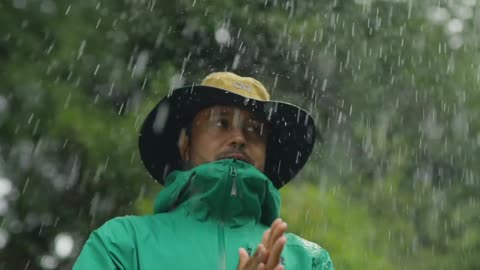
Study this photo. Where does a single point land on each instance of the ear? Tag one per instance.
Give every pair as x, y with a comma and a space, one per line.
183, 145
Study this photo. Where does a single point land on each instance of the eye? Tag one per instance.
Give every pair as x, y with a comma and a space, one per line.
255, 127
221, 123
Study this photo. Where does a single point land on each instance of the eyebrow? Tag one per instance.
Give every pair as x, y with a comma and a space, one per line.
213, 113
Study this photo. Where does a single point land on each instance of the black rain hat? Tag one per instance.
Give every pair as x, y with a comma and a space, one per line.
291, 136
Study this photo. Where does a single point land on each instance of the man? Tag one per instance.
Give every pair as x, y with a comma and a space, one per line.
222, 150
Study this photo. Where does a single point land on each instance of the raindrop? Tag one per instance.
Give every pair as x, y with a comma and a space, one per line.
3, 105
3, 109
236, 61
177, 81
15, 226
454, 26
141, 64
118, 36
63, 245
459, 125
3, 207
48, 6
269, 111
455, 42
161, 118
68, 9
324, 84
94, 74
469, 3
3, 238
81, 49
98, 23
463, 12
48, 262
309, 134
222, 36
19, 3
5, 186
431, 128
438, 15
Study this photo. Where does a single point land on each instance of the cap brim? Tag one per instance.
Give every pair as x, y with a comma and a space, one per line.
290, 143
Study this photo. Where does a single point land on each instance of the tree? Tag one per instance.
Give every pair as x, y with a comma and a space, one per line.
393, 93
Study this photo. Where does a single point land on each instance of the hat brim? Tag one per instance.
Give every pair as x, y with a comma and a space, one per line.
290, 142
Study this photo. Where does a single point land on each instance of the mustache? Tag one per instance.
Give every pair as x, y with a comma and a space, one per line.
235, 152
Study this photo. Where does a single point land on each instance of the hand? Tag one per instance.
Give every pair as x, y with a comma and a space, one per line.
267, 255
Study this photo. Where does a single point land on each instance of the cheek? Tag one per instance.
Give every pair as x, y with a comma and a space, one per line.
259, 155
204, 148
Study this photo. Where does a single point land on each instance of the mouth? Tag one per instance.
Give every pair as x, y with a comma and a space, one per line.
237, 156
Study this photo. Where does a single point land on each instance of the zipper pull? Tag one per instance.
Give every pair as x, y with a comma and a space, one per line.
233, 170
233, 174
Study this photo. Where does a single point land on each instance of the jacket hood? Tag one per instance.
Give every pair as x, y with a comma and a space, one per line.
229, 190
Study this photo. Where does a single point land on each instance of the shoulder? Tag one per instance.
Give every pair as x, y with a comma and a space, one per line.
319, 256
108, 246
130, 226
122, 229
116, 230
117, 225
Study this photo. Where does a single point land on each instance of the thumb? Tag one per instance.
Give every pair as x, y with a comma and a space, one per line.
243, 258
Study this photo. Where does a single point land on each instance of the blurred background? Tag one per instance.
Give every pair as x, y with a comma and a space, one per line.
392, 84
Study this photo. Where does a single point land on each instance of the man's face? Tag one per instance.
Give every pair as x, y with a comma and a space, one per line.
220, 132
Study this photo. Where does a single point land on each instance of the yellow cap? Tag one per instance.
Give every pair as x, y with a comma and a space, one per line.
244, 86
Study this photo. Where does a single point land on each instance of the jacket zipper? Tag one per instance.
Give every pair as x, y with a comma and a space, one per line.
222, 264
233, 174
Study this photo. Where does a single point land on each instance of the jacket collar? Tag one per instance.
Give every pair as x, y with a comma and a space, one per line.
229, 190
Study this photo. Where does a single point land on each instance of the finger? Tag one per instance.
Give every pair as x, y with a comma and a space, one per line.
276, 233
272, 230
277, 227
261, 254
275, 253
261, 266
265, 237
275, 259
257, 258
243, 258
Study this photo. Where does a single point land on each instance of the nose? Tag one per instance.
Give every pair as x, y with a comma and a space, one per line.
237, 137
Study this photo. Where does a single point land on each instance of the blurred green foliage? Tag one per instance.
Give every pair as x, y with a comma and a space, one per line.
393, 86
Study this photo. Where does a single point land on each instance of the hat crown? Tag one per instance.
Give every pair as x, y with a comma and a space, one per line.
244, 86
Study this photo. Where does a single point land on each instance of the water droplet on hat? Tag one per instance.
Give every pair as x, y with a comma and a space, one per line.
298, 157
269, 111
166, 170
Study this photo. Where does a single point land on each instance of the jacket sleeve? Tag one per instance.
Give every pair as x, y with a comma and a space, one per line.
108, 248
322, 261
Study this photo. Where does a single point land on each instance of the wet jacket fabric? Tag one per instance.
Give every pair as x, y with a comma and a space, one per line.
202, 217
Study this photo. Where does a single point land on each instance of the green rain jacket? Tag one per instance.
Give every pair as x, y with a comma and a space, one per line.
202, 217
